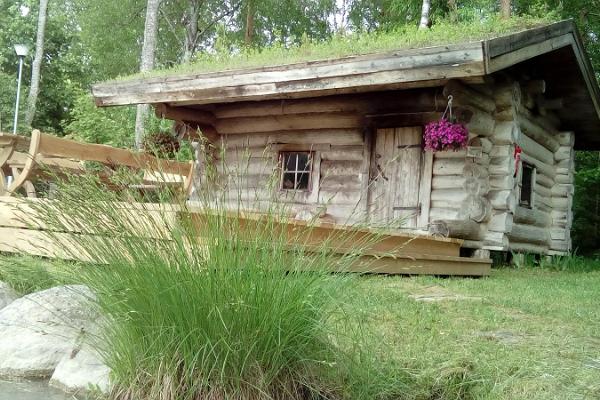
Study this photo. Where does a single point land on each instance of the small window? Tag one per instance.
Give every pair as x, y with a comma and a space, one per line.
296, 169
527, 182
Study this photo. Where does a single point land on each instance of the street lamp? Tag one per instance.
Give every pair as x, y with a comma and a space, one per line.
21, 51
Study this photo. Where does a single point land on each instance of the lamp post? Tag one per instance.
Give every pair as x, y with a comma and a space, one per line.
21, 51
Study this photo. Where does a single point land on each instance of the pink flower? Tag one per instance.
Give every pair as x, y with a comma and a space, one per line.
444, 135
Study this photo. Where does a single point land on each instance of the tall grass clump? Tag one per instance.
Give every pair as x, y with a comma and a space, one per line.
211, 305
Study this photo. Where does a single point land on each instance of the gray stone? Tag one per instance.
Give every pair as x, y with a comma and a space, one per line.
81, 370
37, 330
7, 295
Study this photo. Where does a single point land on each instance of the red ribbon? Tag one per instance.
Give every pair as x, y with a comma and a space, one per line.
517, 157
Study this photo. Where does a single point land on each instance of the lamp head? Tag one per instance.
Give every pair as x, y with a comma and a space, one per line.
21, 50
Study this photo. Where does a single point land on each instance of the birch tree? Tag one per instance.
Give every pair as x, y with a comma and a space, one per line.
147, 63
425, 9
36, 68
505, 9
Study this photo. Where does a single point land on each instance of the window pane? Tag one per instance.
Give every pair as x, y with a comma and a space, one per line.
303, 162
289, 161
303, 179
288, 180
526, 185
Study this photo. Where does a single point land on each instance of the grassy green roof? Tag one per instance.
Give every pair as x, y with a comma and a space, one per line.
406, 37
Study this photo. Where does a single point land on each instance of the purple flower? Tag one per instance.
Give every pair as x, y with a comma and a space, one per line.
444, 135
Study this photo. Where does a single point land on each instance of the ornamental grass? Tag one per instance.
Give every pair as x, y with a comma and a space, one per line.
211, 307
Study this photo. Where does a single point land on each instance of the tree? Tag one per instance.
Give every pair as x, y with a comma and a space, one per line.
425, 8
36, 68
505, 8
147, 62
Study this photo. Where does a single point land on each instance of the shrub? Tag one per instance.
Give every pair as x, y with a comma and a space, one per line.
214, 306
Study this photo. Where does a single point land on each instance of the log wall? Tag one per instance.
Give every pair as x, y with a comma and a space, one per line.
489, 185
475, 192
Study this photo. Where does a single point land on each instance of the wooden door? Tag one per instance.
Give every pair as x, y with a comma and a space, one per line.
396, 177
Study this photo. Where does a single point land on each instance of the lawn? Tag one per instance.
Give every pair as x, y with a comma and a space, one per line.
519, 334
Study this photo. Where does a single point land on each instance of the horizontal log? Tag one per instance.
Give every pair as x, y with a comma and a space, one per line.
532, 129
474, 170
445, 213
464, 95
185, 114
562, 190
502, 166
505, 150
561, 245
313, 121
528, 234
530, 216
463, 229
566, 138
564, 178
476, 121
447, 182
544, 180
344, 153
450, 195
528, 248
564, 153
505, 132
502, 199
335, 168
557, 233
502, 182
534, 149
507, 95
501, 222
495, 240
542, 191
449, 166
540, 166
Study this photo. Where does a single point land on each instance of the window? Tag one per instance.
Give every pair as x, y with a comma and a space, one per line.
527, 182
296, 169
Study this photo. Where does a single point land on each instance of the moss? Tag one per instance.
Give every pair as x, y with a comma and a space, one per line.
406, 37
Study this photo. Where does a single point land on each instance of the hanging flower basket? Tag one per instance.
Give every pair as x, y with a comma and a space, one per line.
446, 134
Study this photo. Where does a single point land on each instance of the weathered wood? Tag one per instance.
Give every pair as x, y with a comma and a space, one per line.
448, 166
530, 216
528, 234
466, 96
288, 123
537, 133
531, 147
508, 95
528, 248
502, 182
501, 222
302, 80
505, 133
502, 199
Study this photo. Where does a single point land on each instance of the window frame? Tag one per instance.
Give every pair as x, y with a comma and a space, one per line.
296, 171
532, 178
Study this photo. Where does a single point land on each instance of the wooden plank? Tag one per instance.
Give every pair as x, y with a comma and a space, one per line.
528, 37
368, 72
314, 121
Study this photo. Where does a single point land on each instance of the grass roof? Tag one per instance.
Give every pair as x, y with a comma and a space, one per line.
405, 37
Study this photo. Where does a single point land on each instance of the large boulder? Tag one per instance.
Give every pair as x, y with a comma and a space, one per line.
37, 330
7, 295
81, 370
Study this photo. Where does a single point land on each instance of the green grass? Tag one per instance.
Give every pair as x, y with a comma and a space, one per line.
407, 37
522, 333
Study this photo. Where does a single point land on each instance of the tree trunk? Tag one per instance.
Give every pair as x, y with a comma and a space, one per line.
425, 23
249, 34
192, 33
147, 63
505, 7
36, 68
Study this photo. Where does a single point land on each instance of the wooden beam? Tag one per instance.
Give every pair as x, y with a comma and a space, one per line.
185, 114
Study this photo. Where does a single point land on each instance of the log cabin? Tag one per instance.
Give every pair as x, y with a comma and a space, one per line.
344, 137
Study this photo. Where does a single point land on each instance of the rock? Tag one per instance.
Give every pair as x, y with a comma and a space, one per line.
37, 330
81, 370
7, 295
